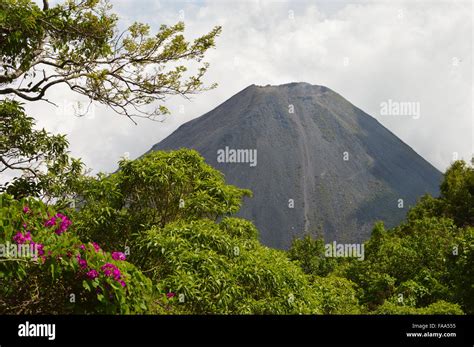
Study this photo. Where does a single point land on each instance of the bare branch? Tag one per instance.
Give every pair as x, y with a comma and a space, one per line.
14, 167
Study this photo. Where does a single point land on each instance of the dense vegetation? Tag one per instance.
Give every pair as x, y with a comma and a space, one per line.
166, 214
158, 235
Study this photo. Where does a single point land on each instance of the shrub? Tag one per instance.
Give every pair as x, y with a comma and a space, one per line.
309, 252
439, 307
411, 259
157, 189
338, 295
222, 268
56, 272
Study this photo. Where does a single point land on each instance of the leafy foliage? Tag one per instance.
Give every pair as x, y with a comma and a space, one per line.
77, 44
423, 266
310, 253
427, 259
218, 268
439, 307
170, 213
457, 193
407, 264
456, 200
461, 270
54, 272
157, 189
42, 158
338, 294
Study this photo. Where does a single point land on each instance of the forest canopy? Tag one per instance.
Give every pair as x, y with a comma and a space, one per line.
158, 236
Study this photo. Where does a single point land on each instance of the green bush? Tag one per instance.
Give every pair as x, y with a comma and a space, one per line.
56, 272
222, 268
157, 189
309, 253
411, 259
439, 307
338, 295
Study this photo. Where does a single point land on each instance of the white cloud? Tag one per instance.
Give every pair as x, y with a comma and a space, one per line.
402, 51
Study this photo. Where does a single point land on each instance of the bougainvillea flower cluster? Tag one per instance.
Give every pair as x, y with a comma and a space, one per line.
21, 238
118, 256
108, 269
25, 238
96, 246
111, 270
92, 274
64, 223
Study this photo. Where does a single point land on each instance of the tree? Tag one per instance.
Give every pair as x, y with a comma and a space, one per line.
157, 189
456, 200
222, 268
77, 44
172, 210
457, 193
338, 295
461, 270
440, 307
426, 259
309, 252
408, 264
47, 169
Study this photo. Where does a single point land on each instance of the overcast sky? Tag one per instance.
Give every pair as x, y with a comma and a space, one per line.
369, 52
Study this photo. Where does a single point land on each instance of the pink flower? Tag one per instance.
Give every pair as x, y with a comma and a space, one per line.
65, 223
39, 248
92, 274
170, 295
82, 247
50, 222
96, 246
118, 256
83, 263
26, 209
110, 270
123, 284
20, 239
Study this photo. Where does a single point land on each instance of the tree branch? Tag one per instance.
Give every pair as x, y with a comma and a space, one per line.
12, 167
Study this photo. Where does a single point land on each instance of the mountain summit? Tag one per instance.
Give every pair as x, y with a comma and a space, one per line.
315, 162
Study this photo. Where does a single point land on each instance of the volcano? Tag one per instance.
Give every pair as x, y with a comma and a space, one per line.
315, 163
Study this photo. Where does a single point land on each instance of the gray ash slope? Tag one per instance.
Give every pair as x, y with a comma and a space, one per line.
300, 156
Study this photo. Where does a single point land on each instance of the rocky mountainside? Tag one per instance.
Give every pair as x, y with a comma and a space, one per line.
315, 162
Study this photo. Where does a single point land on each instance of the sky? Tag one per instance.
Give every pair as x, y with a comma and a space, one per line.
371, 52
